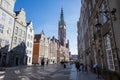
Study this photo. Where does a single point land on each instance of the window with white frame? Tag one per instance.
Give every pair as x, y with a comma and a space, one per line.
3, 16
30, 52
6, 42
28, 36
10, 21
31, 38
19, 40
31, 30
28, 44
21, 22
20, 32
6, 5
0, 41
3, 42
26, 51
8, 31
16, 30
1, 28
15, 40
23, 40
29, 59
23, 33
109, 53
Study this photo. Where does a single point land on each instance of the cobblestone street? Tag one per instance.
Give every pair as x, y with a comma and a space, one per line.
50, 72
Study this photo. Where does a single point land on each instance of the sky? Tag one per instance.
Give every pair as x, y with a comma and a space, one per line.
45, 15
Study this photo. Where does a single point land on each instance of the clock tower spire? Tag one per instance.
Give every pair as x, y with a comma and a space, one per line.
62, 29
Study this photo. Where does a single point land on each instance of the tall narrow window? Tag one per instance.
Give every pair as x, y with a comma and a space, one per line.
31, 38
3, 16
6, 5
28, 36
8, 31
23, 33
16, 30
19, 40
20, 32
31, 30
90, 8
109, 52
29, 59
28, 44
10, 21
15, 40
93, 3
6, 42
104, 18
1, 28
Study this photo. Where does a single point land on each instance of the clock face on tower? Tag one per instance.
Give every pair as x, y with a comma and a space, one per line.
64, 27
61, 26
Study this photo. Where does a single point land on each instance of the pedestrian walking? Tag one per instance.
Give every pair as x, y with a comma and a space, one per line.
47, 62
64, 65
77, 65
98, 72
42, 62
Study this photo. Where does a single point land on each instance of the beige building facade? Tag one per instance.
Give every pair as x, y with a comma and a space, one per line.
6, 29
18, 47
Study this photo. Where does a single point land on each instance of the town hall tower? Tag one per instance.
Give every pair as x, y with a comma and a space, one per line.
62, 29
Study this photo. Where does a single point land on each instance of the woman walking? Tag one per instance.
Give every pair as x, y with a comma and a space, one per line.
77, 65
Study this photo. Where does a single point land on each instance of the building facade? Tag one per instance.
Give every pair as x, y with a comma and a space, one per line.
53, 50
18, 45
62, 29
83, 35
29, 43
6, 29
47, 50
103, 29
38, 48
64, 48
14, 28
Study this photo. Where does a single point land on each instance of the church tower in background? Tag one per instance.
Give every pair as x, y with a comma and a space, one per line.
62, 29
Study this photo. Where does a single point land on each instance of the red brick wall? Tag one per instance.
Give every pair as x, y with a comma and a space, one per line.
35, 53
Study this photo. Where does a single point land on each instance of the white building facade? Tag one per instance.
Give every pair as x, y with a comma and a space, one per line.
29, 42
